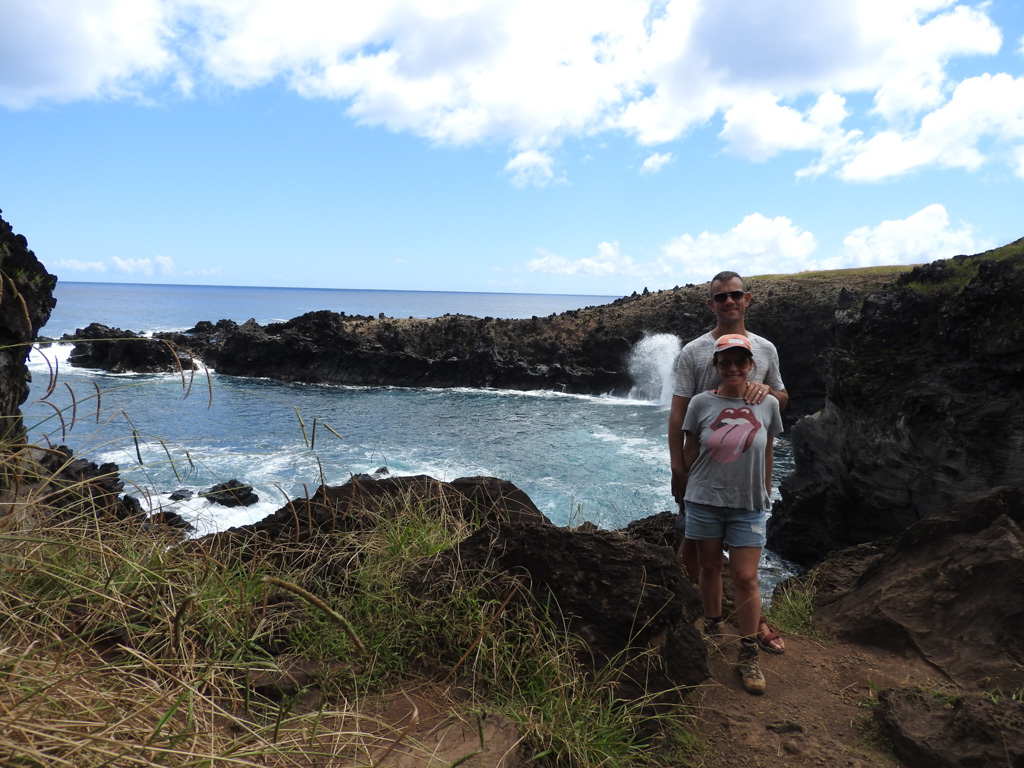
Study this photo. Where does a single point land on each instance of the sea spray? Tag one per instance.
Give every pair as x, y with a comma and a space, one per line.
651, 364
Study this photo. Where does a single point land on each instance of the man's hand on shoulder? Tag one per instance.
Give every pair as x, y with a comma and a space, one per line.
756, 392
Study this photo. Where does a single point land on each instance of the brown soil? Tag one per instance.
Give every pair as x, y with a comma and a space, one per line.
816, 712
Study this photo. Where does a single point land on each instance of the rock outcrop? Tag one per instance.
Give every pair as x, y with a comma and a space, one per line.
951, 731
624, 598
920, 407
26, 299
581, 351
621, 596
949, 589
111, 349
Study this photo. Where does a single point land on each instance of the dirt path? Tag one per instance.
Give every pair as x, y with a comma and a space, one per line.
816, 711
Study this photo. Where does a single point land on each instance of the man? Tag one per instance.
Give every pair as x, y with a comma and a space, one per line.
728, 299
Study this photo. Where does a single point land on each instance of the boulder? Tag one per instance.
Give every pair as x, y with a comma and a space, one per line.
937, 729
617, 594
232, 494
950, 589
364, 499
624, 598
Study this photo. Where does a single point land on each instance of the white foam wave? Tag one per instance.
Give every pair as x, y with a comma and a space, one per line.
51, 357
652, 365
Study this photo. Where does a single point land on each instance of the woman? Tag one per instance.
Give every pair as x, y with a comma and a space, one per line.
728, 454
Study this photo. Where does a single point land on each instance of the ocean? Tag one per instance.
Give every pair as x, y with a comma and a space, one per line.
579, 458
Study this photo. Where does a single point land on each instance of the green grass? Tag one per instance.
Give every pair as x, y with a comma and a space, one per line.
892, 271
792, 608
958, 272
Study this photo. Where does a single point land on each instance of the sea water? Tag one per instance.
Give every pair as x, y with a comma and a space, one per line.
579, 458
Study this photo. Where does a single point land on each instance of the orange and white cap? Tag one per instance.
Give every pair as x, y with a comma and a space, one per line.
732, 341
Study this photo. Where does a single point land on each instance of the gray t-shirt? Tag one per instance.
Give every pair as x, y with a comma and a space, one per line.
695, 373
729, 470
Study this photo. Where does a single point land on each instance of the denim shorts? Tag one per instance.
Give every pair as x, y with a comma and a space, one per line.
736, 527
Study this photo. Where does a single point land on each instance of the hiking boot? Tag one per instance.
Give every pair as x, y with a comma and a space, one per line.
748, 669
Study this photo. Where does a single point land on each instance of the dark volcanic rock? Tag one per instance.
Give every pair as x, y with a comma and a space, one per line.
930, 730
585, 351
169, 520
581, 351
232, 494
949, 589
79, 485
363, 500
620, 596
919, 408
111, 349
26, 299
442, 352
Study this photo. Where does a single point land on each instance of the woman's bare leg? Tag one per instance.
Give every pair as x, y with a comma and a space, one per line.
743, 562
709, 552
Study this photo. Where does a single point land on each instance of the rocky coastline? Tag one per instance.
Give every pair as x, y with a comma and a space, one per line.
907, 503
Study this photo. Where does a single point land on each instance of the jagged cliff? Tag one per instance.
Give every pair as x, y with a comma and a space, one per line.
921, 406
26, 298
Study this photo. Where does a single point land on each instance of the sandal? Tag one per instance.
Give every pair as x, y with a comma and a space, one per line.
766, 640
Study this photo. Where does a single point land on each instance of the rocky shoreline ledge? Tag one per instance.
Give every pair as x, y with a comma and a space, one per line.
907, 502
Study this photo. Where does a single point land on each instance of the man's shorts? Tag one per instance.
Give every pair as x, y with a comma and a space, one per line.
736, 527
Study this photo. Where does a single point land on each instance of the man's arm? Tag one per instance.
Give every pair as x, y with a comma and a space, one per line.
781, 395
676, 445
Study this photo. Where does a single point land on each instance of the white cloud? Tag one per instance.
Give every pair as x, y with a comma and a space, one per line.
757, 245
923, 237
608, 262
531, 73
144, 266
656, 162
759, 128
80, 49
989, 107
74, 265
531, 168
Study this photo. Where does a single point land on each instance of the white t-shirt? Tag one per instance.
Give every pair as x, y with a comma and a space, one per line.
695, 372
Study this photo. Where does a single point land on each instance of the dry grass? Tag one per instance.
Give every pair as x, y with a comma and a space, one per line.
121, 646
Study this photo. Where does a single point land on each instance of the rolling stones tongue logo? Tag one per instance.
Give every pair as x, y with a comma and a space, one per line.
732, 434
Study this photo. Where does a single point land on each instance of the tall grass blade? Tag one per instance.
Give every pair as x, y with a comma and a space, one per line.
349, 629
305, 437
74, 405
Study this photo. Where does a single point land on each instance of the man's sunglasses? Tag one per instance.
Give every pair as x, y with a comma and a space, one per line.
720, 298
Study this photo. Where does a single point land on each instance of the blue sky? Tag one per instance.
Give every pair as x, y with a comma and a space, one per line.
595, 147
